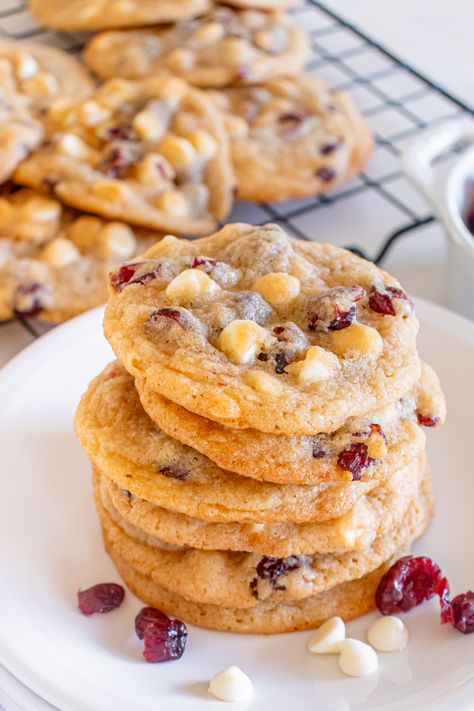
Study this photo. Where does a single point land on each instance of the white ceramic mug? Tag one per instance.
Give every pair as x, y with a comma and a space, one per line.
451, 193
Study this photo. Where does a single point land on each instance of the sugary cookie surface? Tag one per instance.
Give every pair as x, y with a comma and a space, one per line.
108, 14
224, 47
251, 328
152, 153
54, 264
293, 138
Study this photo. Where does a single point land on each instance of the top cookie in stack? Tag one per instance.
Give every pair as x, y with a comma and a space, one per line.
253, 329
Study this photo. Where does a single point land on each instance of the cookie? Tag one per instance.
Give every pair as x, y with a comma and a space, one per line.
128, 448
54, 263
263, 4
293, 138
20, 131
41, 73
348, 601
107, 14
153, 153
222, 48
242, 580
372, 516
253, 329
307, 459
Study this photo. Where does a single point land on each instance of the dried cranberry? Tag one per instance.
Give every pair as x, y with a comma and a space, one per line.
119, 133
354, 459
442, 590
328, 148
28, 299
281, 362
342, 319
409, 582
292, 117
164, 638
174, 472
271, 569
138, 273
114, 164
463, 612
263, 357
427, 420
278, 330
102, 598
318, 452
382, 302
206, 263
326, 174
334, 309
164, 312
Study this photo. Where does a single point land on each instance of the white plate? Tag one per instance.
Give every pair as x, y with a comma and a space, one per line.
51, 545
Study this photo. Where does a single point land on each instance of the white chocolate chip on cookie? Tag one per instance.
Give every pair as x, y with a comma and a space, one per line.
318, 365
204, 144
116, 240
179, 152
191, 284
241, 339
60, 252
84, 232
25, 64
148, 125
173, 202
357, 337
277, 288
209, 33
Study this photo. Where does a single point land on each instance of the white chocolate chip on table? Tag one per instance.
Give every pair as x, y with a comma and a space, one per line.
227, 46
328, 638
231, 685
388, 634
357, 658
158, 159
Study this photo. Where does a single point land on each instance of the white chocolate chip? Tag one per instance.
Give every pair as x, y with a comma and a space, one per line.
60, 252
388, 634
173, 202
209, 33
59, 109
241, 339
236, 51
357, 658
91, 113
231, 685
376, 446
26, 65
110, 190
237, 127
41, 85
357, 337
191, 284
41, 209
116, 241
148, 126
117, 92
181, 60
318, 365
327, 638
178, 151
204, 144
73, 146
278, 288
84, 232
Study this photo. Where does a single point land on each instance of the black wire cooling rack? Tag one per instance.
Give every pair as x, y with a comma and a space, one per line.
398, 101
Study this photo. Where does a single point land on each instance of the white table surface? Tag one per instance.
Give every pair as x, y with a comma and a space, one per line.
436, 37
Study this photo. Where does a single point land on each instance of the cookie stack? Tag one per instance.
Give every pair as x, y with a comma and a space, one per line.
257, 448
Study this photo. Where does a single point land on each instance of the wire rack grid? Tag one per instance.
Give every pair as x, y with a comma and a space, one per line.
379, 204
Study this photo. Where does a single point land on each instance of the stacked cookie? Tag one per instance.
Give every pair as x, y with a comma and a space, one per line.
257, 448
